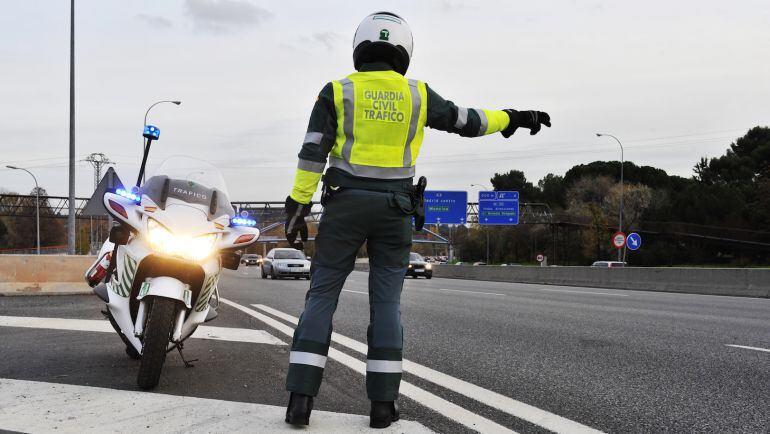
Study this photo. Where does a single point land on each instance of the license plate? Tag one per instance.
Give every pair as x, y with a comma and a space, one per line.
419, 270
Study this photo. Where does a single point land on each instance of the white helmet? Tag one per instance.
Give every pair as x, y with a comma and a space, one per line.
383, 36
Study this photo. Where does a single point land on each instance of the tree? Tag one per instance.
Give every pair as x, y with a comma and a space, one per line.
553, 190
515, 180
22, 231
747, 160
636, 199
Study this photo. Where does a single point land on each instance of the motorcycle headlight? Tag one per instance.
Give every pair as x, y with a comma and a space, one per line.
163, 241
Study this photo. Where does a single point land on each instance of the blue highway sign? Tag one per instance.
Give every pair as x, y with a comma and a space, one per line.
446, 207
498, 207
634, 241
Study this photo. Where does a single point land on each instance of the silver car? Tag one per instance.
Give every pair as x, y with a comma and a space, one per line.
285, 262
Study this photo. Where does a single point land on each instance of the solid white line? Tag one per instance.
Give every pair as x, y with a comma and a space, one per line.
95, 325
440, 405
468, 292
765, 350
581, 292
357, 292
33, 406
503, 403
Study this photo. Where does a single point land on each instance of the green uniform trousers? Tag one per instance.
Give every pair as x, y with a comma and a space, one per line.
350, 219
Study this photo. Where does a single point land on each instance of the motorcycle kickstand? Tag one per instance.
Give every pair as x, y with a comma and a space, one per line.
187, 363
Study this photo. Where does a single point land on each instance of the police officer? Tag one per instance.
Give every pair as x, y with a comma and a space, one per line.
369, 127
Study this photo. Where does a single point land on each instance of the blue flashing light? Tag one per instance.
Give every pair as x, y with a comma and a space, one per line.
128, 195
151, 132
240, 221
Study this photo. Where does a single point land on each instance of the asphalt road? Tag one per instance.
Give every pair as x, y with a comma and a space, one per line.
483, 355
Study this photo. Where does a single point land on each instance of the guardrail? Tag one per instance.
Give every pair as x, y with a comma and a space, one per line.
743, 282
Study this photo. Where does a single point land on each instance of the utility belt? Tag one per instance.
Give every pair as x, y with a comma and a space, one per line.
333, 185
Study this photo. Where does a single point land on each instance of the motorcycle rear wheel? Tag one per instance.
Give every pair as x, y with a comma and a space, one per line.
157, 333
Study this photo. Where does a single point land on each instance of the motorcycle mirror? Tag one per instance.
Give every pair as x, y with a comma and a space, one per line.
119, 235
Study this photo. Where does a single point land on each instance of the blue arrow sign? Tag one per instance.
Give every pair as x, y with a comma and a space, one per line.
446, 207
498, 207
634, 241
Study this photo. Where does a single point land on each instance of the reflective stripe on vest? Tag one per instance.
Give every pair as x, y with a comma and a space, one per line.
380, 120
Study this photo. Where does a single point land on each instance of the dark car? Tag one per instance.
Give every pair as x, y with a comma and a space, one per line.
418, 266
285, 262
251, 259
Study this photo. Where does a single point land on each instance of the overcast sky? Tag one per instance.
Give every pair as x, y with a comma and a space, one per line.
675, 80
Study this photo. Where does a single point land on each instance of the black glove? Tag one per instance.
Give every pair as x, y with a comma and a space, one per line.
295, 222
526, 119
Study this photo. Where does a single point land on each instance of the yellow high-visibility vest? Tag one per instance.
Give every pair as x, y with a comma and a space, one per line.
380, 120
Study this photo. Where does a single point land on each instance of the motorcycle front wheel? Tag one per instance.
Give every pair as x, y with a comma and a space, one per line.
157, 333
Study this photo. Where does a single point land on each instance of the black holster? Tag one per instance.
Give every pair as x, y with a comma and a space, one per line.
418, 202
327, 191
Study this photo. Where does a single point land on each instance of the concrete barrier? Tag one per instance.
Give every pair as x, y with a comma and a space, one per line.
744, 282
43, 274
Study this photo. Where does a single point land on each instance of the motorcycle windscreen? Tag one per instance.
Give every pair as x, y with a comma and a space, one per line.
191, 181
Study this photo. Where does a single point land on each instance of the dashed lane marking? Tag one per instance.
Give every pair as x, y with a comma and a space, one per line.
503, 403
581, 292
33, 406
451, 411
357, 292
469, 292
764, 350
92, 325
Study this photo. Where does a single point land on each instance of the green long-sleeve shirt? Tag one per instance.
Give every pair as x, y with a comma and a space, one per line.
321, 134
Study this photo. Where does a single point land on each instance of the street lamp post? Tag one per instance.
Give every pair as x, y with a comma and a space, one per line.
37, 202
144, 141
71, 222
620, 221
485, 229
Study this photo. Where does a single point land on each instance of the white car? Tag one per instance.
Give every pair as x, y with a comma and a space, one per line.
285, 262
608, 264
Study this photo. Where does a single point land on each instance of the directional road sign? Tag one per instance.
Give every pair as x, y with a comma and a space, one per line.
619, 240
446, 207
498, 207
634, 241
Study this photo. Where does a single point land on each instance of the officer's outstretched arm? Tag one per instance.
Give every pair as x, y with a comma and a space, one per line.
318, 142
471, 122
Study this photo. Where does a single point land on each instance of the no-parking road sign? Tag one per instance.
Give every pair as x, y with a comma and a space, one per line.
619, 240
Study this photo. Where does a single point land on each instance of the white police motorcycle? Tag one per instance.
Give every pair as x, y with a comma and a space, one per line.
159, 270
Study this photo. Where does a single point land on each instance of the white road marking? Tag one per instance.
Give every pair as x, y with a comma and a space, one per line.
357, 292
765, 350
503, 403
33, 406
468, 292
440, 405
581, 292
93, 325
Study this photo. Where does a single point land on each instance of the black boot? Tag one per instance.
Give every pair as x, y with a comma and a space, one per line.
383, 414
298, 411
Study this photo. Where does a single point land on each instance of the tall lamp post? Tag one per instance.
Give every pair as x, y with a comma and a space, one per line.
485, 229
71, 222
37, 203
144, 141
620, 214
